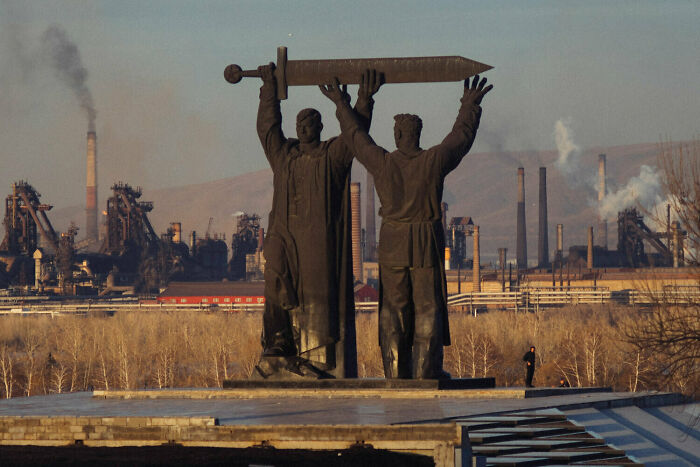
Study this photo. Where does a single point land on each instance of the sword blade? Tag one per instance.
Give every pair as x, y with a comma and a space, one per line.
395, 70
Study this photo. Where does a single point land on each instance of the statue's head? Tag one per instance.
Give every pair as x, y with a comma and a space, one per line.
407, 130
309, 126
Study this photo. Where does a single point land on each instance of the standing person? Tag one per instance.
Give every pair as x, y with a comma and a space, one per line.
413, 324
308, 321
529, 357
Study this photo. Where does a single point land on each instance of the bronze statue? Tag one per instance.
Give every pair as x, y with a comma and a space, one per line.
308, 322
413, 323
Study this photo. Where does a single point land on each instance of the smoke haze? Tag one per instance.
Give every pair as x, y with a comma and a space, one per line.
643, 191
568, 162
64, 57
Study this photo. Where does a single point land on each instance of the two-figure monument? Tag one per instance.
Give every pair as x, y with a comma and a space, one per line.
308, 321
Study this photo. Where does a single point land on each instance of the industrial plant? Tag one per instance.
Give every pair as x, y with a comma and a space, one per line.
123, 254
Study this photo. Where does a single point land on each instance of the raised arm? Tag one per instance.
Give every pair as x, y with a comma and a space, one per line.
354, 131
269, 115
458, 141
370, 82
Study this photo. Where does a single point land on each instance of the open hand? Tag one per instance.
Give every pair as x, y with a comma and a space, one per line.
477, 91
370, 82
335, 91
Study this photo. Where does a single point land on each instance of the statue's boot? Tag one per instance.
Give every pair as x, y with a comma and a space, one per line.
396, 357
287, 368
427, 359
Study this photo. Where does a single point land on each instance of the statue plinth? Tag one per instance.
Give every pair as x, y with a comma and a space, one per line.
366, 383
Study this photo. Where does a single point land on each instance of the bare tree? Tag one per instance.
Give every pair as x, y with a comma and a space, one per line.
681, 181
58, 375
73, 343
670, 330
489, 355
7, 365
32, 341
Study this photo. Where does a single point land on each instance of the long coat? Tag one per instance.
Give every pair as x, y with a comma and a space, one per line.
410, 187
310, 225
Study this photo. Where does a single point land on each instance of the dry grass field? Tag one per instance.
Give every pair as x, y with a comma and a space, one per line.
40, 355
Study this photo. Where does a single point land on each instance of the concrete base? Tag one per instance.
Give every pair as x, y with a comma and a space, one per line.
441, 441
286, 390
379, 383
327, 419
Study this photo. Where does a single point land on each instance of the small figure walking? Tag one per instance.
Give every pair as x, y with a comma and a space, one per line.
529, 357
563, 383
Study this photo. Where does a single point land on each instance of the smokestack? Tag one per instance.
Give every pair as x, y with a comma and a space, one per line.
177, 231
370, 218
261, 238
560, 240
502, 252
543, 238
502, 258
91, 190
602, 222
521, 246
443, 207
668, 226
675, 231
356, 211
193, 243
589, 257
476, 275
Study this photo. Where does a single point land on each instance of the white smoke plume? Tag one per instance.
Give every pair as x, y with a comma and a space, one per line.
643, 191
64, 57
568, 162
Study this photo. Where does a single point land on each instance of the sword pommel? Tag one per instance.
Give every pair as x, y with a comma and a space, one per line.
234, 73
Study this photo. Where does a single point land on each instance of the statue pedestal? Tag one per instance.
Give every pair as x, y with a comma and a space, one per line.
300, 382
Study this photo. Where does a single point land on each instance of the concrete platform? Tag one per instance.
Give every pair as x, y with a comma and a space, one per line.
436, 423
364, 383
339, 392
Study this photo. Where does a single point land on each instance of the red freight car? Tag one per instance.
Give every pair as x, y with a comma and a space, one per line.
213, 293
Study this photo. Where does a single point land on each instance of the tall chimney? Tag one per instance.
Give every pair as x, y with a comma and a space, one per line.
502, 252
370, 221
668, 226
444, 207
356, 210
560, 240
521, 245
476, 275
602, 222
91, 190
589, 256
675, 231
261, 238
543, 238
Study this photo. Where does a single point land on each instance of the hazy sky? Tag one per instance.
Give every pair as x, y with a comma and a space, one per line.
623, 72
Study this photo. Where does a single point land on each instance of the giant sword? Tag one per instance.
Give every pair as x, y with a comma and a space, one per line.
348, 71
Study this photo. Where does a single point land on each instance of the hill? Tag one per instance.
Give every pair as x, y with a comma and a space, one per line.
483, 187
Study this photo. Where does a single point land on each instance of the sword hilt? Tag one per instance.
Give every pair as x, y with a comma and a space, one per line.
234, 73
